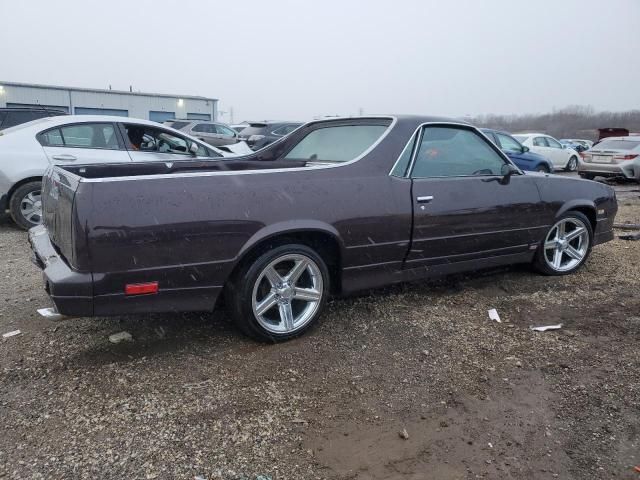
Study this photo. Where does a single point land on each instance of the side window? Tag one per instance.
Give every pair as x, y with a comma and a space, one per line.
336, 144
539, 142
222, 130
90, 135
51, 138
401, 166
553, 143
204, 128
455, 152
149, 139
508, 143
2, 115
18, 118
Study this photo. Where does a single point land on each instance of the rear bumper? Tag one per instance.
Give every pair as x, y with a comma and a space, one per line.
628, 170
71, 291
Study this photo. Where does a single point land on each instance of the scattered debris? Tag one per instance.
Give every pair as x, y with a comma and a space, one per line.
637, 468
546, 327
404, 434
120, 337
299, 421
493, 315
627, 226
425, 353
11, 334
630, 236
51, 313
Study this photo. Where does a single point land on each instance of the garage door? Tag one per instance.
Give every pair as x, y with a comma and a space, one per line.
157, 116
198, 116
100, 111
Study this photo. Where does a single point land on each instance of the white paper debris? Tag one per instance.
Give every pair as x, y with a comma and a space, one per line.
546, 327
493, 315
50, 313
11, 334
120, 337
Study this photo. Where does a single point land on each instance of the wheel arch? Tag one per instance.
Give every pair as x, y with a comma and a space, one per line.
19, 183
322, 238
585, 207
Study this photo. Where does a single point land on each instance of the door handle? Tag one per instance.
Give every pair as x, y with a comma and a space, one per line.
424, 199
64, 157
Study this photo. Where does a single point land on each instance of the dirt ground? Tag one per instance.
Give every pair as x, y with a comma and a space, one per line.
192, 398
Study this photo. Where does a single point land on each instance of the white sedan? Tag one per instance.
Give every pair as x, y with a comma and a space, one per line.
561, 157
28, 149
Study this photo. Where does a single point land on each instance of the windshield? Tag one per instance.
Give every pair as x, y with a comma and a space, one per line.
618, 144
25, 125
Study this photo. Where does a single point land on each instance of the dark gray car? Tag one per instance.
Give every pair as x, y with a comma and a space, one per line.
260, 134
214, 133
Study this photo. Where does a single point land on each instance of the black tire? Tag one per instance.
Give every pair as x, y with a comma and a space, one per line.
540, 262
240, 292
16, 203
542, 169
587, 176
572, 164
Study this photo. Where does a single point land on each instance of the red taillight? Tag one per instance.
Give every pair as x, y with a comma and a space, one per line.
624, 157
141, 288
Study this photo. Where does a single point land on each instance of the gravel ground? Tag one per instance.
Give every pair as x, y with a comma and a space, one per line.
190, 397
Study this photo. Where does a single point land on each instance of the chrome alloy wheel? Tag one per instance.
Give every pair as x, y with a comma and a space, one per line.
566, 245
287, 293
31, 207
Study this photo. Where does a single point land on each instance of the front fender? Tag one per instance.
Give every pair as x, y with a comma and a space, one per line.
575, 205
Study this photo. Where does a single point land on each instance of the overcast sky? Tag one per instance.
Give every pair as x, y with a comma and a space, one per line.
290, 59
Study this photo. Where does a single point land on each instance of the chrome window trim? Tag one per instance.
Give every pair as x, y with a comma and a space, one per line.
419, 131
393, 123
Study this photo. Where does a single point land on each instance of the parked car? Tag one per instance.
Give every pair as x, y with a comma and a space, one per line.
214, 133
518, 153
578, 141
12, 116
238, 127
612, 157
578, 147
337, 206
562, 158
260, 134
26, 151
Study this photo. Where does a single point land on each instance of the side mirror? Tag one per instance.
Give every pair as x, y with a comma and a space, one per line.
506, 171
525, 149
193, 148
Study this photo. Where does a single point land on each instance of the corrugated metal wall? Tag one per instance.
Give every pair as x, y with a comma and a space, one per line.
137, 106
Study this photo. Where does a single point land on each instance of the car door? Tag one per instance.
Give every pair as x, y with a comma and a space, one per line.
461, 211
80, 143
148, 143
207, 133
557, 154
226, 136
540, 146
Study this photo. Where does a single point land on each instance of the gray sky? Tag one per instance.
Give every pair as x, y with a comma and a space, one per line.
299, 59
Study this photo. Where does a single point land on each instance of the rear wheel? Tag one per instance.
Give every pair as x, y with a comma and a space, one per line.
572, 166
279, 295
25, 205
566, 245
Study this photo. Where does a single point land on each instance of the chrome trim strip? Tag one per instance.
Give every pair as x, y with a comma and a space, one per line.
394, 121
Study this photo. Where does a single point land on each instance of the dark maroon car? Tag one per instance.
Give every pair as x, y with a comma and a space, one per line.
338, 206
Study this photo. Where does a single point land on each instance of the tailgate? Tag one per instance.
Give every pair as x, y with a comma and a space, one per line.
58, 192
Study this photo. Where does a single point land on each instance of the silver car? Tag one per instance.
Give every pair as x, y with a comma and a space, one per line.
28, 149
612, 157
214, 133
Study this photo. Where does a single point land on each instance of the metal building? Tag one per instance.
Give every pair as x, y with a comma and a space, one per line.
90, 101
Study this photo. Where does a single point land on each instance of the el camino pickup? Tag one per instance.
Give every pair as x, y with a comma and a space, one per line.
337, 206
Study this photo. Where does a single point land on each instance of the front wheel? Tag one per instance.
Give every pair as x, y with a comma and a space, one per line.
25, 205
542, 169
566, 245
572, 166
280, 294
